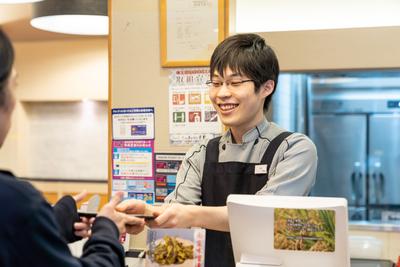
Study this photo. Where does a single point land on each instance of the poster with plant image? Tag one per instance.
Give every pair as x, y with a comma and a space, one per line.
304, 229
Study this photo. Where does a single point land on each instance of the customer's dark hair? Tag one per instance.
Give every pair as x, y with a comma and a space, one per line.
6, 64
249, 55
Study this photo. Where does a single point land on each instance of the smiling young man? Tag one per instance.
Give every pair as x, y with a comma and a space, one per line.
254, 156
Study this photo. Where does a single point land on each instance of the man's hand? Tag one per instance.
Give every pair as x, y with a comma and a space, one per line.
134, 206
123, 221
172, 216
183, 216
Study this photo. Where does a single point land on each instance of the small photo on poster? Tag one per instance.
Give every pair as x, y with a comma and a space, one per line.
161, 165
195, 98
210, 116
119, 185
207, 99
195, 116
168, 166
178, 99
179, 116
146, 197
171, 180
138, 130
161, 180
161, 193
140, 185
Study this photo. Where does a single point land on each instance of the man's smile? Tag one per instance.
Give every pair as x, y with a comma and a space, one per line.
227, 107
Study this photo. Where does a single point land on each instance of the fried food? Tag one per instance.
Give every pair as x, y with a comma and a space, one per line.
171, 251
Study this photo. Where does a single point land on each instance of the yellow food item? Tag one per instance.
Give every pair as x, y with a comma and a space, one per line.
171, 251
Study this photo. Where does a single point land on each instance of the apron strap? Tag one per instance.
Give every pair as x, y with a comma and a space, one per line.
212, 150
272, 148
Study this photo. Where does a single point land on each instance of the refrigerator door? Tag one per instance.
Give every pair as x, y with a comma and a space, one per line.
341, 146
384, 161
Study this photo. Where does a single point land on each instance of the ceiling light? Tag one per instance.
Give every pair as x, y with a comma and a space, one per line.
17, 1
84, 17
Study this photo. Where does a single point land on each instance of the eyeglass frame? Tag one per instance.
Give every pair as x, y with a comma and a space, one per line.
210, 83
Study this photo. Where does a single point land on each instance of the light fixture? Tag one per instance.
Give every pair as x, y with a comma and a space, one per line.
84, 17
17, 1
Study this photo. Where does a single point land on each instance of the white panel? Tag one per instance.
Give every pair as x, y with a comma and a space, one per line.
67, 140
292, 15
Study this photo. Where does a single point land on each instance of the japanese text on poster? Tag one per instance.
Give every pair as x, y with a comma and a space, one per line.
132, 158
192, 116
133, 168
133, 123
133, 153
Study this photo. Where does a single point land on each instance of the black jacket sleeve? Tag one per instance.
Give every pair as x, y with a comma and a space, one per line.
66, 214
104, 242
32, 238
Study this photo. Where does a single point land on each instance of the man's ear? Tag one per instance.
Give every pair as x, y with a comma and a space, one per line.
267, 88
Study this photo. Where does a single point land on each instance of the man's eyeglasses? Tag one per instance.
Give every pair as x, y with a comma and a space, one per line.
229, 84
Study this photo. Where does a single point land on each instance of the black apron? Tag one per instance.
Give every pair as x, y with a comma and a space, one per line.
221, 179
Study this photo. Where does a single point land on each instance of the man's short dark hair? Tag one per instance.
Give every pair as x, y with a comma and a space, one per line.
249, 55
6, 64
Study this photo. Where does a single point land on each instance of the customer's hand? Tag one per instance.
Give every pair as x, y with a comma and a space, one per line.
122, 220
82, 228
134, 206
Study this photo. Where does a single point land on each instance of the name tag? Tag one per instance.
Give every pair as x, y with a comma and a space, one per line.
260, 169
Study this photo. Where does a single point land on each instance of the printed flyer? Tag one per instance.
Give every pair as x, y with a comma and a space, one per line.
133, 123
133, 169
166, 168
192, 116
132, 159
304, 229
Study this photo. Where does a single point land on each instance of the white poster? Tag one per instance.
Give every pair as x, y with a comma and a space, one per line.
133, 123
191, 114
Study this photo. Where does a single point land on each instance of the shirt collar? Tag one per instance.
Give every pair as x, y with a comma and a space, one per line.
250, 135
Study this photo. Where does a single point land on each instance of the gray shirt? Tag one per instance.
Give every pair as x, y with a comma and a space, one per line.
292, 171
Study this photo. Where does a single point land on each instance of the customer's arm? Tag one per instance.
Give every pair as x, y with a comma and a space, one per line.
40, 243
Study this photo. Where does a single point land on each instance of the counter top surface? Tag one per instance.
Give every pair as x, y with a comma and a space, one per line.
136, 262
375, 226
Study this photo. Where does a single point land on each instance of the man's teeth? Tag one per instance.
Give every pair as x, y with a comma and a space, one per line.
228, 106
